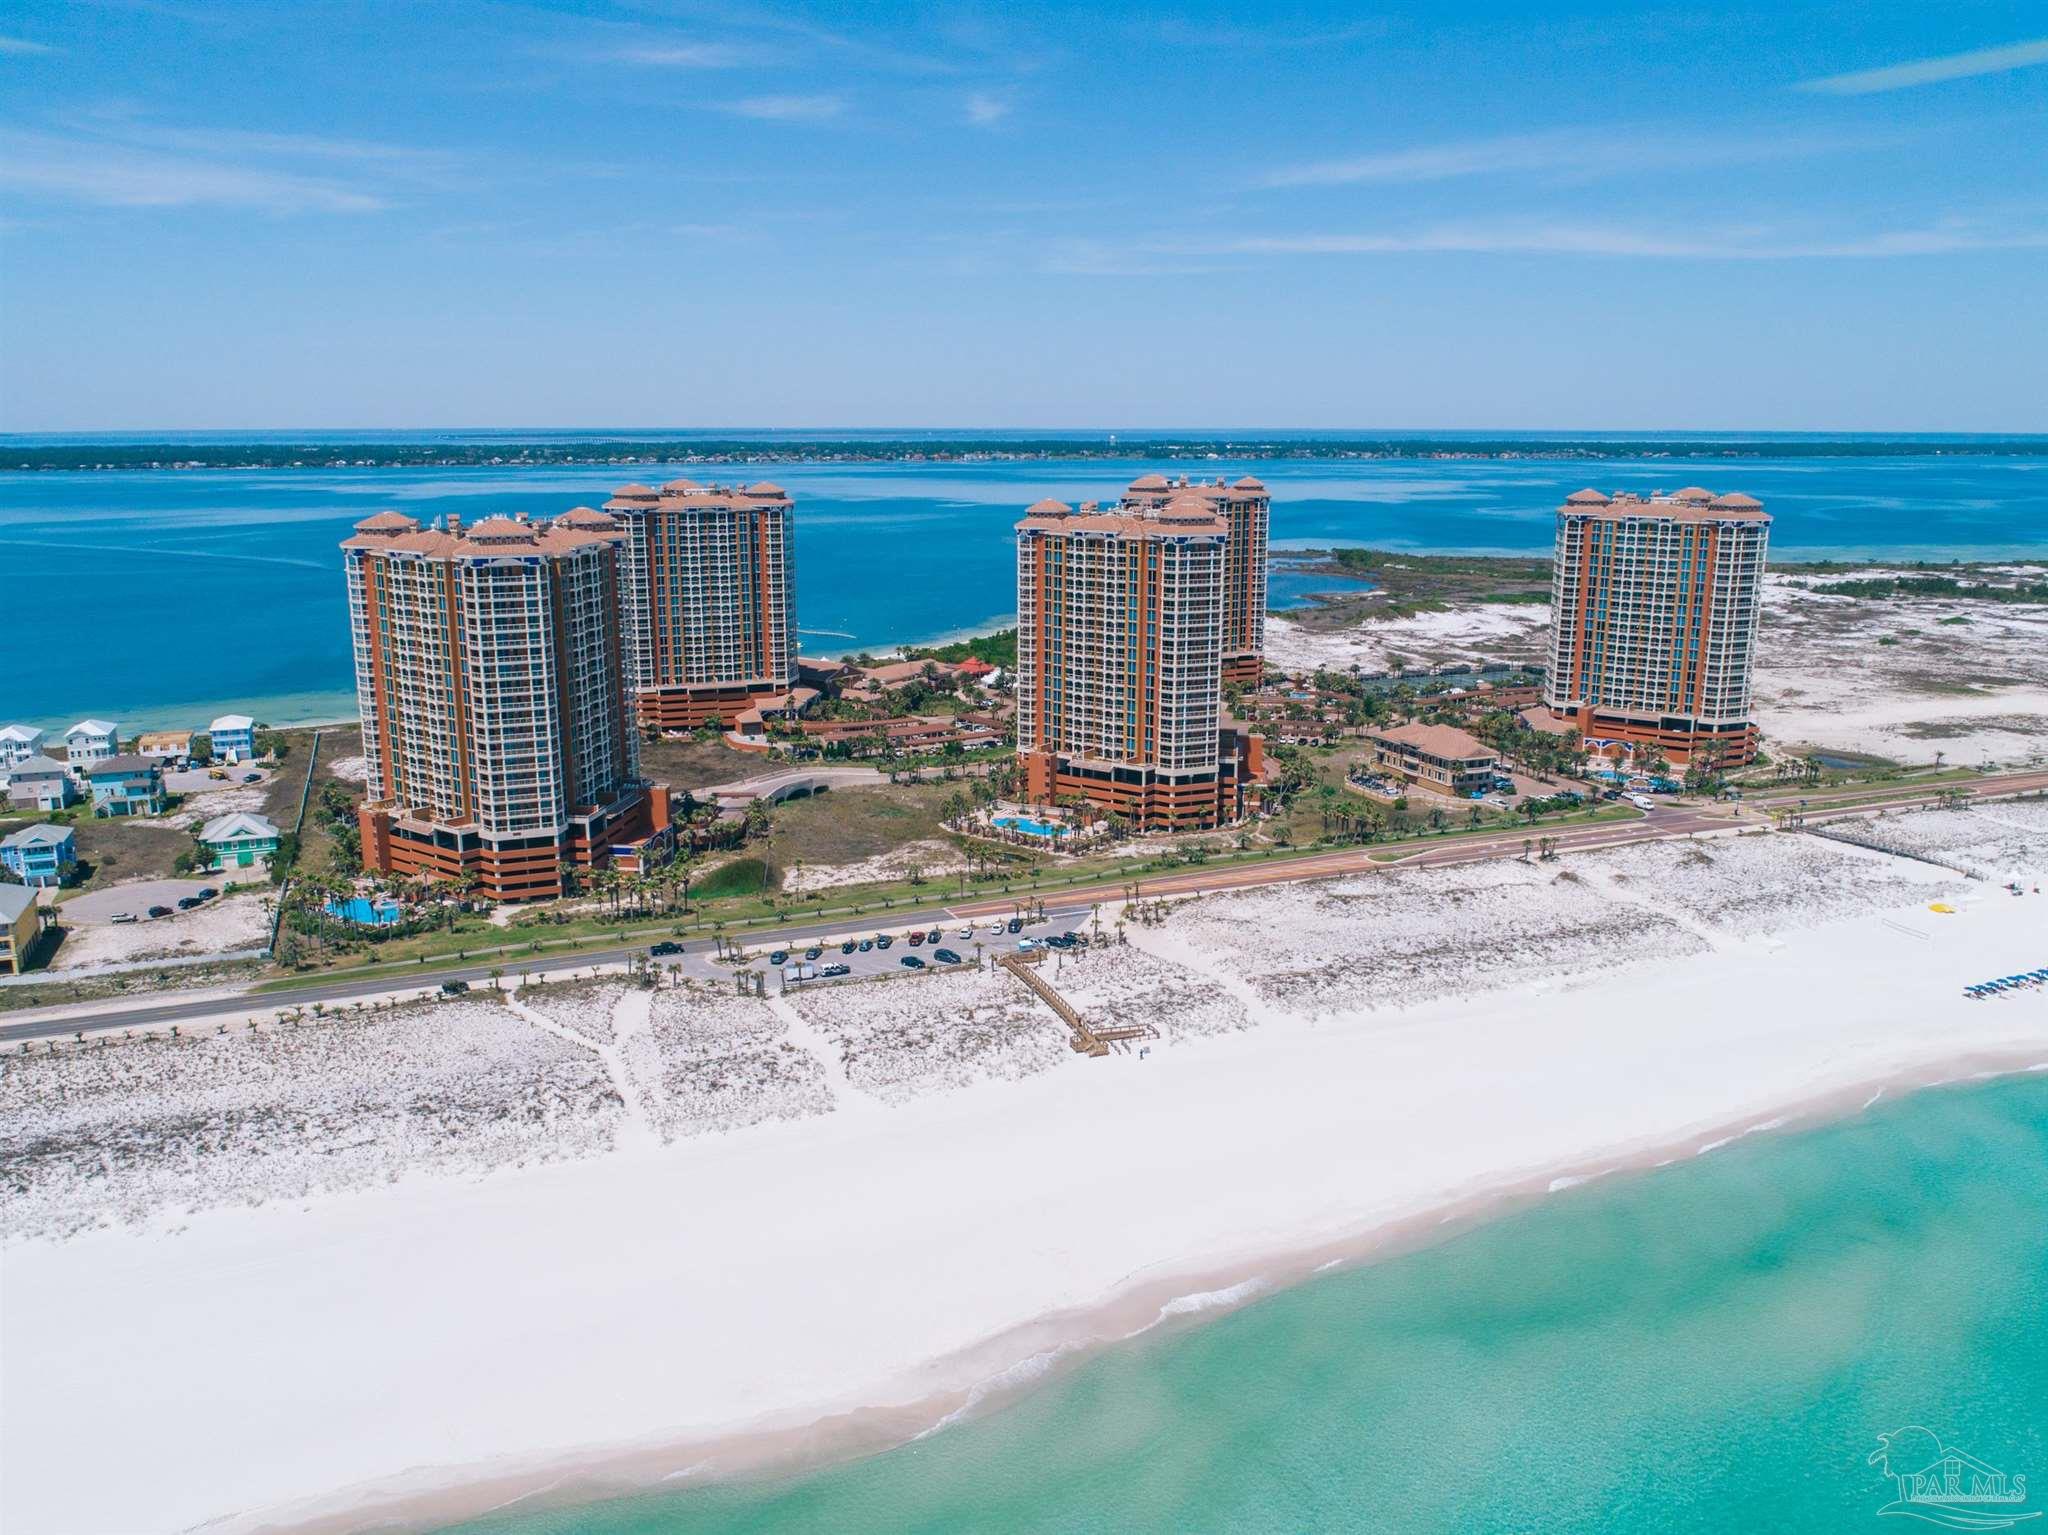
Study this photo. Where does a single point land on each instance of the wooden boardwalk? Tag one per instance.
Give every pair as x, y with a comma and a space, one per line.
1082, 1038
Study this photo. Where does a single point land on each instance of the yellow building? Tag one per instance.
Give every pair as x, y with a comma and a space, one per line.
21, 928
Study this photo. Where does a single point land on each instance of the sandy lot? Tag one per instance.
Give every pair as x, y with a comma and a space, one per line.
222, 926
1900, 679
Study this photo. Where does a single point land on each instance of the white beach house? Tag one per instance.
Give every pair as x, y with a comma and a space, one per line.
19, 742
91, 741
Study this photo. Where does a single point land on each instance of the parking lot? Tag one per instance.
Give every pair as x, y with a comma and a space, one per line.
985, 941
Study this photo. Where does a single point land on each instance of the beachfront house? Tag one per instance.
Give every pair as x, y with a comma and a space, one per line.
238, 840
164, 745
123, 786
91, 741
40, 783
1439, 757
39, 855
233, 737
19, 742
21, 928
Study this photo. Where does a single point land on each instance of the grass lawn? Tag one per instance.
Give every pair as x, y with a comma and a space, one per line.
281, 795
848, 825
688, 763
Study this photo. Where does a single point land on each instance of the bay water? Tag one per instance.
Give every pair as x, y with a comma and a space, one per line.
160, 598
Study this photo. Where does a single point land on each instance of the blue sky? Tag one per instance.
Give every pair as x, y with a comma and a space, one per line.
1564, 215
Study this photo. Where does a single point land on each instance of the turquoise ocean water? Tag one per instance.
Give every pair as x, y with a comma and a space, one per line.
1714, 1347
161, 598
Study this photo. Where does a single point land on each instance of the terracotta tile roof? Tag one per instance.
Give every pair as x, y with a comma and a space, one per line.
1689, 505
1447, 742
388, 522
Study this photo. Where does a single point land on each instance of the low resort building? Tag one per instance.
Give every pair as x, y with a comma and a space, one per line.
126, 786
232, 737
39, 855
91, 741
21, 928
1438, 757
41, 783
240, 839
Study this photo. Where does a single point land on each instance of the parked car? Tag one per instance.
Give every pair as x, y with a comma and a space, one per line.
936, 935
848, 947
965, 932
1026, 945
995, 930
914, 939
187, 902
829, 971
159, 911
252, 778
946, 957
866, 944
220, 773
122, 916
911, 961
666, 947
1016, 924
207, 892
883, 940
454, 988
779, 957
813, 952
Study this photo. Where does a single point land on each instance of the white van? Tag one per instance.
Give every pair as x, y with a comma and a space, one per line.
1641, 801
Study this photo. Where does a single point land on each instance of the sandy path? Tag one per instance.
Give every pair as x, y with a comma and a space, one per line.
639, 1132
845, 1095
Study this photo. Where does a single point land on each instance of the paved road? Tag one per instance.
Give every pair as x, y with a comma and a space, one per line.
1065, 908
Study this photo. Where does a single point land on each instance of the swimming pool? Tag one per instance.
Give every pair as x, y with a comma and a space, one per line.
378, 913
1032, 827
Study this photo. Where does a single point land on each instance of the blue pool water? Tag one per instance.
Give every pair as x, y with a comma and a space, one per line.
1031, 826
367, 912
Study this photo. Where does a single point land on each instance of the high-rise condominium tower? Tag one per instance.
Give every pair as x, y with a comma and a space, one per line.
1654, 604
1246, 509
707, 599
1120, 626
495, 729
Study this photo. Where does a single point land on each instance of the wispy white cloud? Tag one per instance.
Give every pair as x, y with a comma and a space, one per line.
985, 108
1179, 32
119, 175
1570, 153
1724, 243
683, 55
785, 109
23, 45
1949, 66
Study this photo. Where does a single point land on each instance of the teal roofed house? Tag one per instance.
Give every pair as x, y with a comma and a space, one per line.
39, 855
238, 840
126, 785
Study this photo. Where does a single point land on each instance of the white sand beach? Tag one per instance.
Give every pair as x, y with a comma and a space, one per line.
837, 1215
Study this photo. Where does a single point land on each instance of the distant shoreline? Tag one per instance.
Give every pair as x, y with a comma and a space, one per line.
30, 453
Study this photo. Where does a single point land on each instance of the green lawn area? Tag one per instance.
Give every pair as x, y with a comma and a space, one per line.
848, 825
